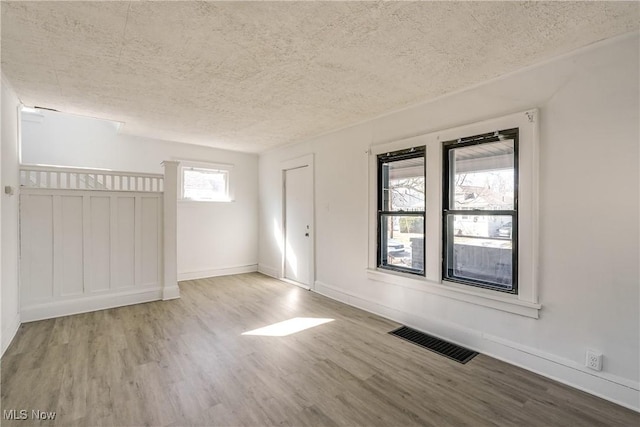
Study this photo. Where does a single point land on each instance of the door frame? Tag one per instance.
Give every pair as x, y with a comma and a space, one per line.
296, 163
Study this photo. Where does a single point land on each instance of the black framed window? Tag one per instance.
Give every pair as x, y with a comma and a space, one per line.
401, 210
480, 210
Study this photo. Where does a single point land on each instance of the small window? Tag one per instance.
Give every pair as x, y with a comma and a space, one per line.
203, 184
401, 210
480, 210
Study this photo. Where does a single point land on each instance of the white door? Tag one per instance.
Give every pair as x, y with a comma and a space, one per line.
297, 219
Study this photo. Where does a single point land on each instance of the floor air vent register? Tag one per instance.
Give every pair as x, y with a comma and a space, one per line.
442, 347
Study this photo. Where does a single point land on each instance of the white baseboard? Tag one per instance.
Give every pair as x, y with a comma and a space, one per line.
225, 271
86, 304
294, 283
269, 271
621, 391
9, 332
170, 292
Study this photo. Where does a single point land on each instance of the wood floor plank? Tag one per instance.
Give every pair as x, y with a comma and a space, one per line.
185, 362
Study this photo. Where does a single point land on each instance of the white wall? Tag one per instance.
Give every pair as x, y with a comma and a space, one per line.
213, 238
589, 219
9, 215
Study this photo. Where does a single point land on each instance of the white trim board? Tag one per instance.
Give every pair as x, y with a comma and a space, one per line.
9, 332
225, 271
268, 271
50, 310
615, 389
170, 292
294, 283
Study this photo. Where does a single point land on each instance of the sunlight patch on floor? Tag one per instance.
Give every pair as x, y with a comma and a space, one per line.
288, 327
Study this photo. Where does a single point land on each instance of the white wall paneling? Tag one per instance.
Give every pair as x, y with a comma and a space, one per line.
99, 265
124, 247
83, 250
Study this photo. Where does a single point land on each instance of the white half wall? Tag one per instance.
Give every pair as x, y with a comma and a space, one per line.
88, 250
213, 237
9, 216
589, 278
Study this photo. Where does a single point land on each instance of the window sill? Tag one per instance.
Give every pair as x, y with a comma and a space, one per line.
189, 201
486, 298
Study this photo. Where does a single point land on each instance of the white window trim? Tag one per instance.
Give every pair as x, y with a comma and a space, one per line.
525, 303
228, 168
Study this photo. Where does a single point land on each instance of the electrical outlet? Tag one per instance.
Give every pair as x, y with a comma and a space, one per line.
594, 360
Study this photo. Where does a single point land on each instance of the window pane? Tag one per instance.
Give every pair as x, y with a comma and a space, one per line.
483, 176
402, 241
205, 184
482, 249
403, 185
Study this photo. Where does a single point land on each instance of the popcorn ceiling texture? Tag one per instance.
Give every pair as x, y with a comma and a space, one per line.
250, 76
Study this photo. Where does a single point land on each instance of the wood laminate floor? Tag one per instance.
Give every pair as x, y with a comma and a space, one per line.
186, 362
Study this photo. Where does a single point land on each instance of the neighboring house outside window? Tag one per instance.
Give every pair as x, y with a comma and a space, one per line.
480, 214
401, 183
474, 204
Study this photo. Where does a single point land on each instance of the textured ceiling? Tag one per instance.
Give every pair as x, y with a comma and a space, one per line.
249, 76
